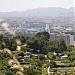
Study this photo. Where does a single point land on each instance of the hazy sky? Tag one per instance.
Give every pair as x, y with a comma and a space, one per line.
22, 5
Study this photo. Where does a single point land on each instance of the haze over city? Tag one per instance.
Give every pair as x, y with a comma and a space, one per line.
37, 37
23, 5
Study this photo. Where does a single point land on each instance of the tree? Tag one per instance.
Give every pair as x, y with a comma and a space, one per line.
73, 63
11, 44
33, 44
36, 44
71, 55
44, 35
41, 56
52, 64
50, 55
62, 45
71, 58
4, 66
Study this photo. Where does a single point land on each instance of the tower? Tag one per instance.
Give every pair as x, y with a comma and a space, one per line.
47, 29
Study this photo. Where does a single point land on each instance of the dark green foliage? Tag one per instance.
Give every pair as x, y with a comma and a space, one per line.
4, 66
37, 44
41, 56
52, 46
52, 64
23, 38
62, 45
71, 55
44, 35
50, 56
37, 47
6, 42
34, 71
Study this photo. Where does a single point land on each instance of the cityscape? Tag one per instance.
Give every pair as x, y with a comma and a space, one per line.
37, 37
56, 27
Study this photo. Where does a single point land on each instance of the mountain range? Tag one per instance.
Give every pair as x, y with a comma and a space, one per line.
49, 11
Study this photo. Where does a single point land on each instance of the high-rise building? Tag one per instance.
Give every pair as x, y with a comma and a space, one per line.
68, 38
71, 39
47, 29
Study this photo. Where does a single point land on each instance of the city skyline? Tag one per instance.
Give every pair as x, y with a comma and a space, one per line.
23, 5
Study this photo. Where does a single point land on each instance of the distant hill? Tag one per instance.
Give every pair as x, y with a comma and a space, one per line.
50, 11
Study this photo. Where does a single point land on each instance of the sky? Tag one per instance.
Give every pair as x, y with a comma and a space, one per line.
22, 5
